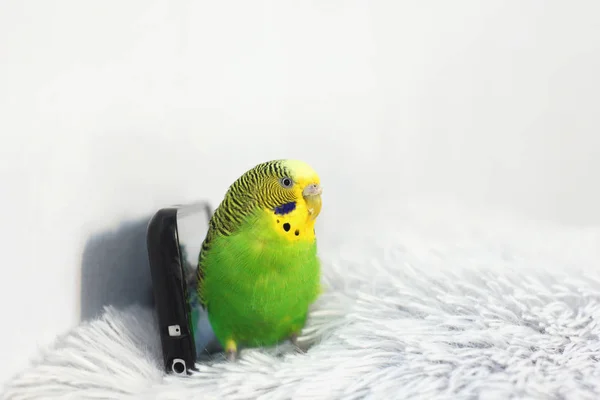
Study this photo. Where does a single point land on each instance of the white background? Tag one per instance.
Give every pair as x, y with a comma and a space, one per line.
111, 109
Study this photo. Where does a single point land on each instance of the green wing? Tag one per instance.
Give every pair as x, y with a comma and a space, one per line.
225, 221
239, 203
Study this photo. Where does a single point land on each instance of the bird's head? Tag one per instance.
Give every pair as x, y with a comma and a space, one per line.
284, 187
287, 190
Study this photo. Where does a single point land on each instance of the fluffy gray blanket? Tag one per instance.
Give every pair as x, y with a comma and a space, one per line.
457, 310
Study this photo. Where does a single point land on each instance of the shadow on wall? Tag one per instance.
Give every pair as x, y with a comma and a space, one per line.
115, 270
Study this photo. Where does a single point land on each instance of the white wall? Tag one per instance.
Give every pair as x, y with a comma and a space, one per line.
110, 110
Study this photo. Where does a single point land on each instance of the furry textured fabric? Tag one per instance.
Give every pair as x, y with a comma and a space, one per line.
469, 310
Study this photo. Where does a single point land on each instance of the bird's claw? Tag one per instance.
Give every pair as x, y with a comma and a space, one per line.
231, 350
294, 340
232, 355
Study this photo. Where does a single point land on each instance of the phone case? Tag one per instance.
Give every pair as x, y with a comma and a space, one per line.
174, 238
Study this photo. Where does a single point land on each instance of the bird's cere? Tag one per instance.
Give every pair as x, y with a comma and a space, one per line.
312, 190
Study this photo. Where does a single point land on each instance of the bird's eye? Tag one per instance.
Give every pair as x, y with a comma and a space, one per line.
286, 182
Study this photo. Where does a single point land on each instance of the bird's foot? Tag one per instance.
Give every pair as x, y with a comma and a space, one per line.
232, 355
231, 351
294, 340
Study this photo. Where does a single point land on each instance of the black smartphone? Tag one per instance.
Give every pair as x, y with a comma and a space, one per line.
174, 238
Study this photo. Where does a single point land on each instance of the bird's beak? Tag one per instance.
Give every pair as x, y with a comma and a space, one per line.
312, 196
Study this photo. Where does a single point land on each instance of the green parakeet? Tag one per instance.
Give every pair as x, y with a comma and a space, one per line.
258, 269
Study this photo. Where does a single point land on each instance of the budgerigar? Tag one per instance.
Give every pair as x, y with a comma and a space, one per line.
258, 269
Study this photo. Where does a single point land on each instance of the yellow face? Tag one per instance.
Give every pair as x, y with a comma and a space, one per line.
307, 186
295, 219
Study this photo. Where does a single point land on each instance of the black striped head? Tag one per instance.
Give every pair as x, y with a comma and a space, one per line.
288, 191
283, 187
